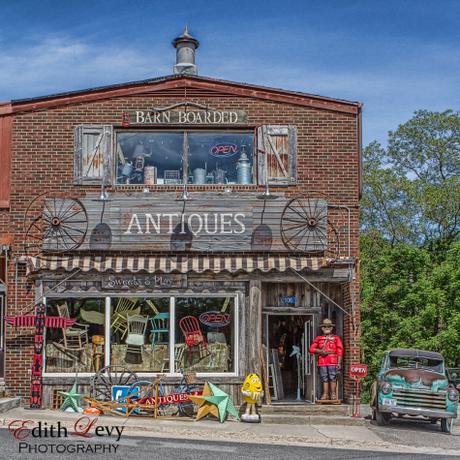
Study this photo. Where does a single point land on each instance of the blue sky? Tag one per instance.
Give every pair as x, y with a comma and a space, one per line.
395, 56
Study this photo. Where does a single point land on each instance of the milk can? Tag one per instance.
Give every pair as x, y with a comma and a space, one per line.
199, 176
243, 170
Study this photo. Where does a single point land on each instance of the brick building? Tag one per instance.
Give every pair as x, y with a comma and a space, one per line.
185, 222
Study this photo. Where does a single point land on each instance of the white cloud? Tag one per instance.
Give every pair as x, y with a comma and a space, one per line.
62, 64
390, 89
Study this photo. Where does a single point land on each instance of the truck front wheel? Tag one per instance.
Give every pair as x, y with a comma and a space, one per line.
446, 425
382, 418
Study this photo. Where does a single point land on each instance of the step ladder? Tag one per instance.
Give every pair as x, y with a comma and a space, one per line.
272, 384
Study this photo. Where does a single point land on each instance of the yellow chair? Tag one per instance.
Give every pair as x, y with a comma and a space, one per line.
125, 307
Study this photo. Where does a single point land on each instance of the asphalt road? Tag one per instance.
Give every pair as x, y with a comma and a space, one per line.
140, 448
418, 433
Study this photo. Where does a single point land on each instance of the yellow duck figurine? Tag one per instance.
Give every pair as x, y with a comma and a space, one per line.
252, 392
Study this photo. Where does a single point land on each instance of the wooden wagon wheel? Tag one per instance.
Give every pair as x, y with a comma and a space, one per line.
305, 227
103, 381
54, 225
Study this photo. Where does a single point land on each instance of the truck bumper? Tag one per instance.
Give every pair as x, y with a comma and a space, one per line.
414, 411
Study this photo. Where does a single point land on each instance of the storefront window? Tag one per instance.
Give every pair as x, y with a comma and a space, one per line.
205, 334
79, 347
157, 158
220, 158
139, 333
149, 158
140, 338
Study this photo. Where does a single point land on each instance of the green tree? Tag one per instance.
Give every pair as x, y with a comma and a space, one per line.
410, 243
412, 188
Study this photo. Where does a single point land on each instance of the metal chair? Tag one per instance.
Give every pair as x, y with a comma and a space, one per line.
137, 325
125, 307
75, 337
160, 325
194, 339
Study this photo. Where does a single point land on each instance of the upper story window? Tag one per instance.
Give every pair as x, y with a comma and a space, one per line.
171, 157
221, 158
154, 157
168, 157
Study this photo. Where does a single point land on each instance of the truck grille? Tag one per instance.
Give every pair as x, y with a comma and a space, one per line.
423, 399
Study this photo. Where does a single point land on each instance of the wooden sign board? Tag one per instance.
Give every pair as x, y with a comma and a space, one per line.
184, 117
207, 223
143, 281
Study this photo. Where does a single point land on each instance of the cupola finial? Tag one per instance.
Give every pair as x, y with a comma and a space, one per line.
185, 46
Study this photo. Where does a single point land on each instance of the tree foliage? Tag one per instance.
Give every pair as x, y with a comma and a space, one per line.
410, 243
412, 187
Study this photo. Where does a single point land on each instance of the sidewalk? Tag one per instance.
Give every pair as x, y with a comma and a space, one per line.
340, 436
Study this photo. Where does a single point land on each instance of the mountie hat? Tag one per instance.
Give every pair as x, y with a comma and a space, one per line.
327, 323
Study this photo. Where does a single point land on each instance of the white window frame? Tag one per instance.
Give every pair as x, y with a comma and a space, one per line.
172, 330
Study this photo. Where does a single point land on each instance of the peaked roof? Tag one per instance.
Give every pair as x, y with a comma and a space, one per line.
170, 82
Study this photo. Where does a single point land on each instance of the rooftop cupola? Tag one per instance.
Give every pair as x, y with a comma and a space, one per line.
185, 46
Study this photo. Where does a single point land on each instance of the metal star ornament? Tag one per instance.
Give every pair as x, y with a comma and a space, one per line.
72, 399
214, 401
205, 407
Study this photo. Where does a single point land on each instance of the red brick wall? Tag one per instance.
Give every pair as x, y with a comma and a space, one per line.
42, 161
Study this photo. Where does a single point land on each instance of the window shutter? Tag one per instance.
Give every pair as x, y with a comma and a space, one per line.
93, 154
277, 144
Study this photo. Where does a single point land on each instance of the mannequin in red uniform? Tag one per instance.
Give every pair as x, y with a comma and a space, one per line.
329, 349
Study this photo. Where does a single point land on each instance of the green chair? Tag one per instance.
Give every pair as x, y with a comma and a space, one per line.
160, 325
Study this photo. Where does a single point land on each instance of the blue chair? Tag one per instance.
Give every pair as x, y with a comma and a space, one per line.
160, 325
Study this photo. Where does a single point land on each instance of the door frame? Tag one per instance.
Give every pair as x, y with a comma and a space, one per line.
311, 358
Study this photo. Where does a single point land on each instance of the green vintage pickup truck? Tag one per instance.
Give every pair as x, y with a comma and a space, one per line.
414, 382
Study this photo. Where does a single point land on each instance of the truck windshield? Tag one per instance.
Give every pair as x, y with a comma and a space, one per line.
417, 363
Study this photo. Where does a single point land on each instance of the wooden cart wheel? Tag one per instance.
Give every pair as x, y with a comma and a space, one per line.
103, 381
54, 225
305, 227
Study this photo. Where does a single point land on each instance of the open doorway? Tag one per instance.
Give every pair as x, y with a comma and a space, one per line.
291, 368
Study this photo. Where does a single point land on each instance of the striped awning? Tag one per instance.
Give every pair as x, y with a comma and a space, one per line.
176, 264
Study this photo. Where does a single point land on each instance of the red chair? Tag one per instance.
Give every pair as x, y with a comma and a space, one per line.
194, 339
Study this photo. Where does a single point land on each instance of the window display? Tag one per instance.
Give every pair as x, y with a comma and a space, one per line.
205, 334
149, 158
138, 334
80, 347
220, 158
157, 158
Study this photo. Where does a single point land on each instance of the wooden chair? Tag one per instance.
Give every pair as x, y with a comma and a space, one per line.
75, 337
125, 307
194, 339
137, 325
150, 303
179, 352
160, 326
